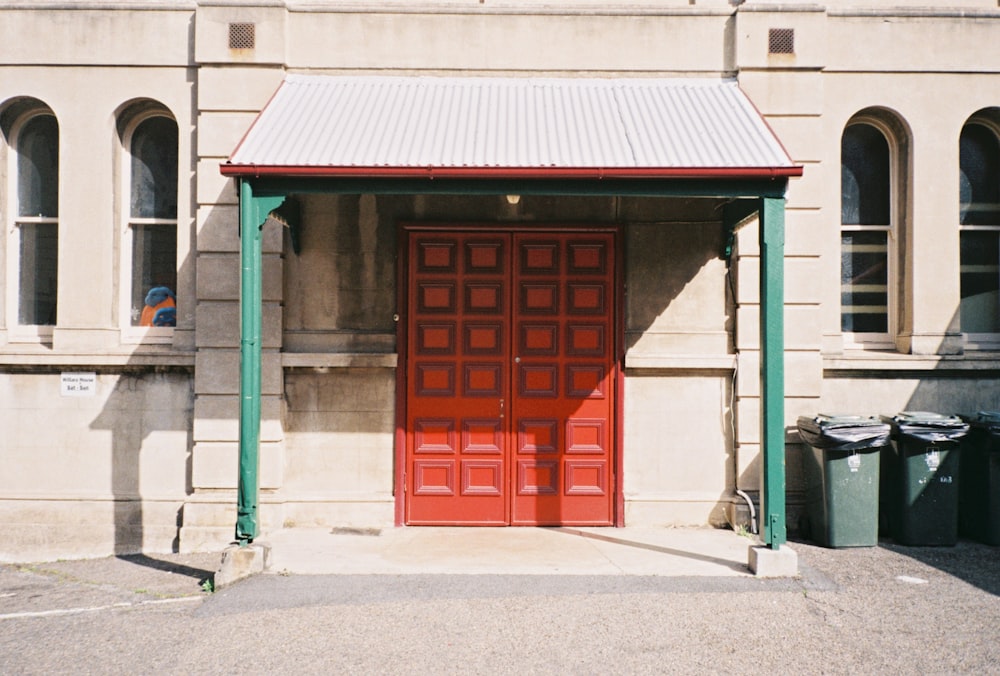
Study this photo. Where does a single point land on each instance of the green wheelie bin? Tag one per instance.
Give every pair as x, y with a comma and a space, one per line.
842, 478
924, 481
979, 494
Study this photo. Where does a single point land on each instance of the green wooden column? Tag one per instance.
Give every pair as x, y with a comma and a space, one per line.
253, 213
772, 359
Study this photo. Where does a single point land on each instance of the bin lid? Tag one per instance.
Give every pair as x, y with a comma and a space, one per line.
930, 427
843, 432
984, 417
985, 420
828, 420
927, 419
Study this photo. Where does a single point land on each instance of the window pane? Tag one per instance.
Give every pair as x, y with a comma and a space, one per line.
154, 169
979, 160
864, 156
154, 275
864, 282
37, 284
980, 281
38, 168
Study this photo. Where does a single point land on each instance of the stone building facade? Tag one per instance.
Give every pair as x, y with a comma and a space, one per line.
122, 432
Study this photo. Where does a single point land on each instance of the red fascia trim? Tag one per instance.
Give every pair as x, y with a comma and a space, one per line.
258, 171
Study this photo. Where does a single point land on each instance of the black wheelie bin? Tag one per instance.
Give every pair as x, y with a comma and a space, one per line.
924, 481
979, 490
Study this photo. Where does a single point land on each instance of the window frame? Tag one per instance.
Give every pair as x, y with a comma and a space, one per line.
16, 331
857, 340
977, 340
126, 231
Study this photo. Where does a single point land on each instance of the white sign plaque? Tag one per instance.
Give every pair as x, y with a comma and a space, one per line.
78, 384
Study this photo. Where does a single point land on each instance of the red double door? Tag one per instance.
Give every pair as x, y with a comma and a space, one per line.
511, 378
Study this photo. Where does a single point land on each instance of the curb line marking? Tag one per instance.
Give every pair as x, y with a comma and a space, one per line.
93, 609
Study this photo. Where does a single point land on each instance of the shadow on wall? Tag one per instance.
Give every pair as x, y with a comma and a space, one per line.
150, 410
149, 415
338, 290
679, 305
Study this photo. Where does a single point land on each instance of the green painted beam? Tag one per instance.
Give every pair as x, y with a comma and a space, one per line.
772, 365
253, 213
722, 188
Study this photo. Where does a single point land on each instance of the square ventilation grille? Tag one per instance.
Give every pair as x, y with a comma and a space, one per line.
242, 36
781, 41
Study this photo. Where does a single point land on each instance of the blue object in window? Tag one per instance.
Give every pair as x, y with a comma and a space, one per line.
165, 316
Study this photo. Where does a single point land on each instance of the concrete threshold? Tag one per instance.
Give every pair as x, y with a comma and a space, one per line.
510, 551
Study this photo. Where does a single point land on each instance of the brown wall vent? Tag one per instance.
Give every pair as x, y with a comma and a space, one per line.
241, 36
781, 41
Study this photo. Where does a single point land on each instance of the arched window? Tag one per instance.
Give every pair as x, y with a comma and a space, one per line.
151, 233
35, 245
979, 218
866, 216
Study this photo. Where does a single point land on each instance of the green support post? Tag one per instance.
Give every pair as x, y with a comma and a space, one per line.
253, 213
772, 364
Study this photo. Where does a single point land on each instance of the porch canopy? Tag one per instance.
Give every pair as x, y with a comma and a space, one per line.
654, 137
509, 127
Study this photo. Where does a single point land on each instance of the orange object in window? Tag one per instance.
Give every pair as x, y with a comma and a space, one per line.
156, 301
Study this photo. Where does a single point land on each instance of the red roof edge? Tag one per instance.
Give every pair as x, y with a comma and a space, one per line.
256, 171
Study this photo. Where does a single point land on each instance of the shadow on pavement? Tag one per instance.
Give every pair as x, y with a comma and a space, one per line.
739, 567
972, 562
199, 574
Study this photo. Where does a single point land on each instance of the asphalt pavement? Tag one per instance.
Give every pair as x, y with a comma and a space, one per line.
885, 609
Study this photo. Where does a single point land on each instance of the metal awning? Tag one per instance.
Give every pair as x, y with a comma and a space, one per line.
547, 136
459, 127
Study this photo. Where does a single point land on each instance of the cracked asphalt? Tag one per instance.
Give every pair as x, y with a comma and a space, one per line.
887, 609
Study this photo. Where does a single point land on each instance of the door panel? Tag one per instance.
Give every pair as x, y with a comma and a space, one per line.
562, 401
510, 379
456, 378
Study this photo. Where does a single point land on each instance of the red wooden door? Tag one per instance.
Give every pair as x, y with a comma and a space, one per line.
563, 384
510, 379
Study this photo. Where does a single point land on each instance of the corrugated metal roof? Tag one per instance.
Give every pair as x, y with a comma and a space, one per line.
316, 123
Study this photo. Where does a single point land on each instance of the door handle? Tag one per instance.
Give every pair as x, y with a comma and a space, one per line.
501, 408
